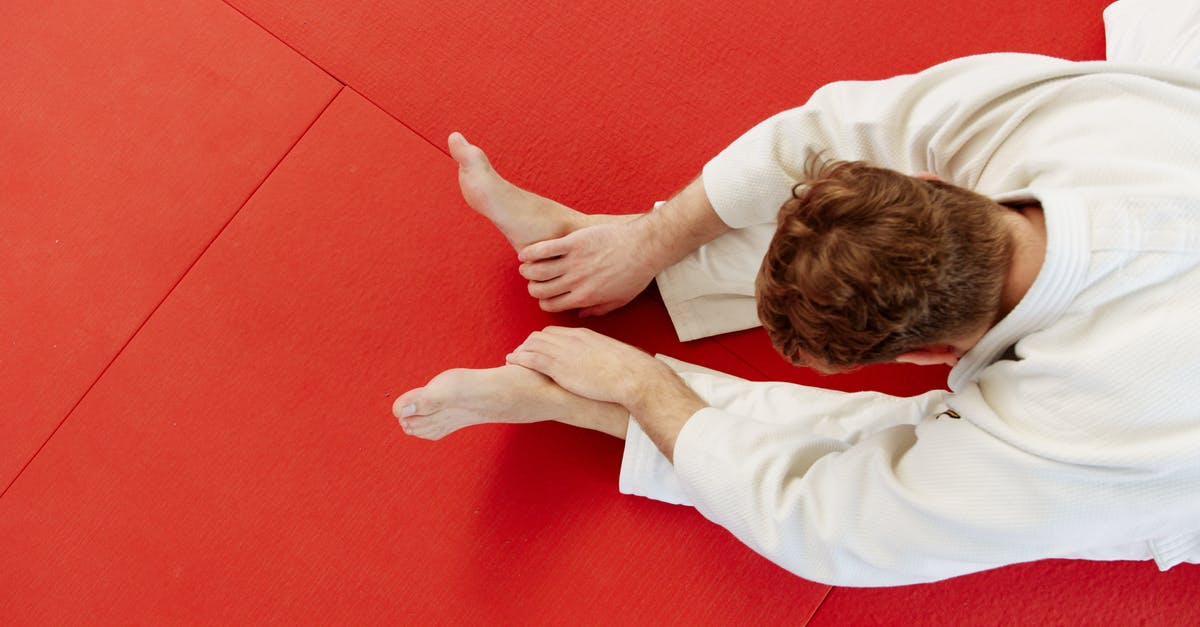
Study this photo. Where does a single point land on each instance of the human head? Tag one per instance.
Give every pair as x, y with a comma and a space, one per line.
868, 265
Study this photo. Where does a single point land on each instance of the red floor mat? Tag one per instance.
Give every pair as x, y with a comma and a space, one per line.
611, 106
239, 463
754, 347
129, 134
1046, 593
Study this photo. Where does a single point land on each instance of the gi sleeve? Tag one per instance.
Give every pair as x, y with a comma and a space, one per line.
906, 504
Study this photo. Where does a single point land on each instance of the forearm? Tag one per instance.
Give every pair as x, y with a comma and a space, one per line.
681, 225
661, 403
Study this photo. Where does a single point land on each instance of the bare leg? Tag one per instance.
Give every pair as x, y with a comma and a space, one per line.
522, 216
510, 394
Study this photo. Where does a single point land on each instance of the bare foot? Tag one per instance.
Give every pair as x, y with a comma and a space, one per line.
523, 217
510, 394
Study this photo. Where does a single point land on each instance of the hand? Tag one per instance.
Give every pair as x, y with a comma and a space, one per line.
587, 364
595, 269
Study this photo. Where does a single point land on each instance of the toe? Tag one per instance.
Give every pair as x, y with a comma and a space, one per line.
411, 403
424, 427
468, 156
457, 145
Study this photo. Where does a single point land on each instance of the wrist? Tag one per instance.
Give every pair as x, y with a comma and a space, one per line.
662, 404
655, 387
652, 247
678, 227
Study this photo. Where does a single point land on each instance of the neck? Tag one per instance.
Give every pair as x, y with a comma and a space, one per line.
1027, 225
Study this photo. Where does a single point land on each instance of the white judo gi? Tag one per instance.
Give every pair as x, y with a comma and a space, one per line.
1079, 428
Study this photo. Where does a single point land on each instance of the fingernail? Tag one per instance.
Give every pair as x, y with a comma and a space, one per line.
407, 411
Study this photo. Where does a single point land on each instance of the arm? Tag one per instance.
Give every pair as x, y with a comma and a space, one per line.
681, 225
869, 489
913, 503
661, 403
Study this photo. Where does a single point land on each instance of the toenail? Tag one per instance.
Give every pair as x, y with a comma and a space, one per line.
407, 411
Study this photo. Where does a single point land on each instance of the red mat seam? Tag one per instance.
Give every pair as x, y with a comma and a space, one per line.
740, 358
171, 291
443, 149
439, 147
824, 598
280, 40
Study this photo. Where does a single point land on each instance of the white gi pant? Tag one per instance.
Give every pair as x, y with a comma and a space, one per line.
712, 290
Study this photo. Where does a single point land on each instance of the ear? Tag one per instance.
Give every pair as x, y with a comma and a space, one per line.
927, 176
931, 356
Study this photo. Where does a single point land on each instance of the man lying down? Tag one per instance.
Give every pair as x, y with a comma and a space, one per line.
1032, 222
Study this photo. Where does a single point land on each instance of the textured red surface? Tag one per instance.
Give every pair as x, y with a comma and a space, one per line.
129, 134
611, 106
237, 463
1044, 593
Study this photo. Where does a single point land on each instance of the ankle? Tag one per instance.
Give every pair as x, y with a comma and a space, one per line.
613, 420
608, 418
584, 220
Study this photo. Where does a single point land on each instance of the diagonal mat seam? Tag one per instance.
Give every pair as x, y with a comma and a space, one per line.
440, 148
285, 43
171, 290
820, 604
740, 358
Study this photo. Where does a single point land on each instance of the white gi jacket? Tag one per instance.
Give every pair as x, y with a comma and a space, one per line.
1079, 433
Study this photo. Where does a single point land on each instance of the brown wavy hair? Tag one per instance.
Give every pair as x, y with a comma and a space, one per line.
868, 263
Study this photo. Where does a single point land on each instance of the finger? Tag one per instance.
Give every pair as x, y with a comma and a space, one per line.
543, 270
535, 336
579, 338
546, 249
563, 302
558, 335
533, 360
553, 340
539, 342
542, 290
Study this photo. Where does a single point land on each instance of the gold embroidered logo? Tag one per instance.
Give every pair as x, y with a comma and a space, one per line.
950, 413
